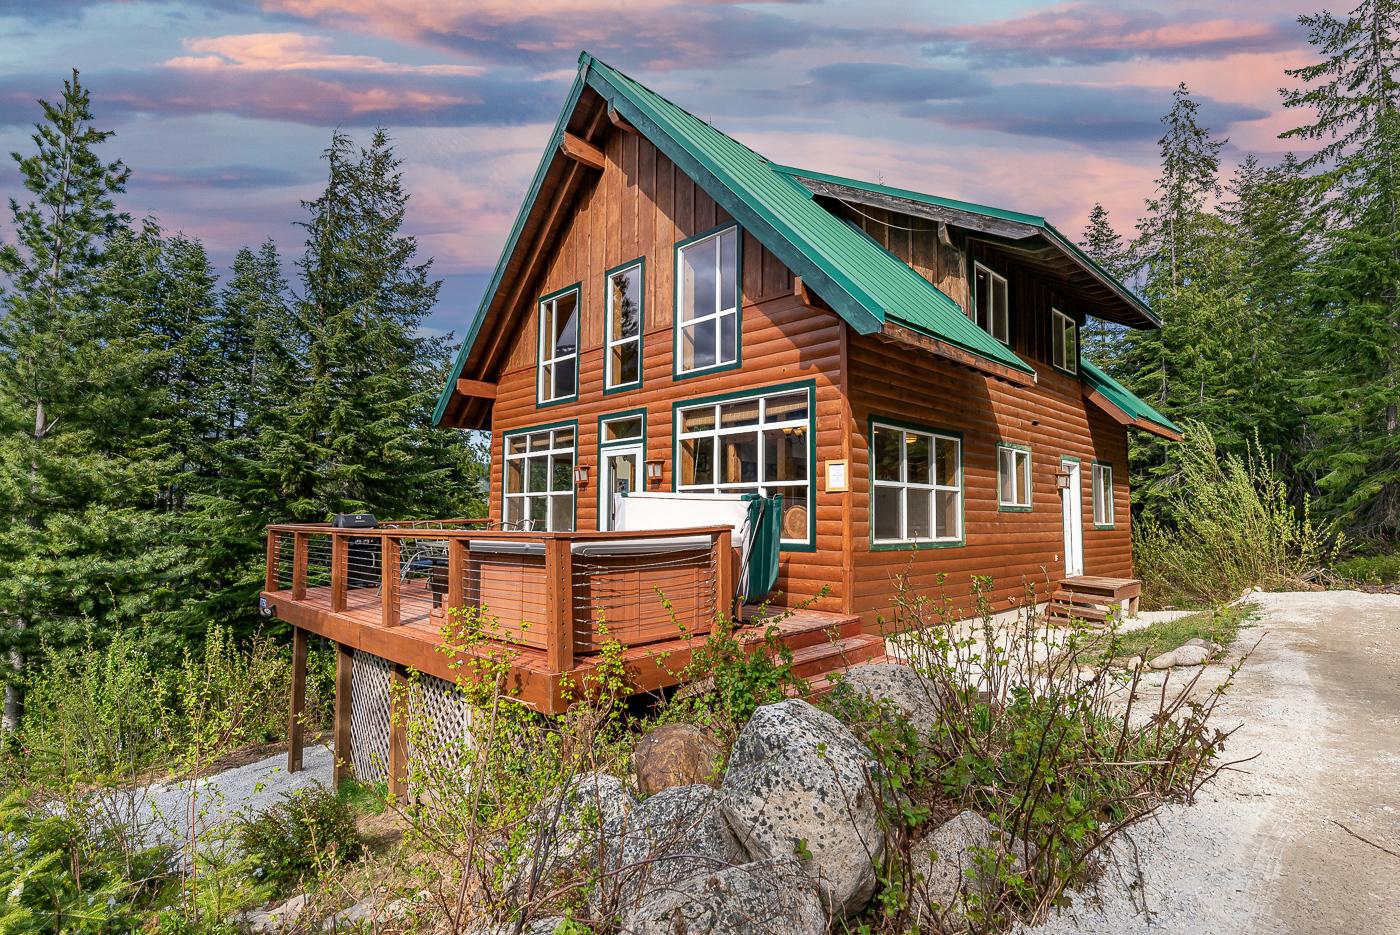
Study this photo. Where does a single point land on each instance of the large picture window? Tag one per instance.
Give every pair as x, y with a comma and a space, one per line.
1013, 478
1064, 349
707, 303
991, 303
539, 480
753, 444
917, 486
623, 363
558, 349
1103, 495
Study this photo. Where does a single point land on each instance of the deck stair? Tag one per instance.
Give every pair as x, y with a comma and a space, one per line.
821, 644
1091, 599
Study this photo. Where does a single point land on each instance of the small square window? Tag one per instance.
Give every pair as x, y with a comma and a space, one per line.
991, 303
1013, 478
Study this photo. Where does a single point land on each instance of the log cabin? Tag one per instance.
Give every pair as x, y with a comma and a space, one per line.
674, 312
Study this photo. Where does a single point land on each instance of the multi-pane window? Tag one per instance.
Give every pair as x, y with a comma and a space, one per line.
1064, 349
539, 481
1103, 495
558, 350
917, 479
623, 362
759, 444
707, 303
990, 303
1013, 478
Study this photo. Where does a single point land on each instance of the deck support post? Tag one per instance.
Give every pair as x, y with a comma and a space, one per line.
456, 597
296, 710
559, 580
300, 542
389, 581
344, 666
398, 732
340, 554
723, 557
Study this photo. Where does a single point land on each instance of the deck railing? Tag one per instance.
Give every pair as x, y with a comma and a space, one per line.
563, 593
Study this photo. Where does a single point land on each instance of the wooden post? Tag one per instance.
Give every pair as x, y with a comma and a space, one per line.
456, 577
344, 666
559, 584
398, 732
340, 554
389, 581
300, 542
270, 573
724, 580
297, 708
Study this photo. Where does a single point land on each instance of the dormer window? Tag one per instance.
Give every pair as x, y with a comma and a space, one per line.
1064, 341
990, 303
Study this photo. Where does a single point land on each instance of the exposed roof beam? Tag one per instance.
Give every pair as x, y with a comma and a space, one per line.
480, 389
902, 335
619, 121
582, 151
965, 219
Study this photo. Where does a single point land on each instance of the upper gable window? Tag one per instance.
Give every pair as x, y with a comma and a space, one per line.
557, 379
1064, 341
624, 352
707, 303
990, 303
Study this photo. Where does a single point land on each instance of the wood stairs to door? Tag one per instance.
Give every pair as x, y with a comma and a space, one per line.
822, 644
1090, 598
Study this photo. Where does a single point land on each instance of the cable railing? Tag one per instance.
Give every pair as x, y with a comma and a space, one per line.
564, 594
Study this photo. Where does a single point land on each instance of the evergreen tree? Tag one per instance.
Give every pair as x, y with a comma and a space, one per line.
1353, 391
1101, 339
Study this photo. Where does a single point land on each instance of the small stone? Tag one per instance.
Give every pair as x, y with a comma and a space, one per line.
766, 897
1087, 673
675, 755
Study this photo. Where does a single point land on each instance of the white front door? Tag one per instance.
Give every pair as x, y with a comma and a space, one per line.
1072, 506
622, 472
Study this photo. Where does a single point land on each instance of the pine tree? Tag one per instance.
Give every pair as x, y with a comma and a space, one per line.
1101, 340
1353, 390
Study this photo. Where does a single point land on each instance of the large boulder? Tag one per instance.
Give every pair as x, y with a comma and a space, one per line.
908, 693
964, 856
760, 898
800, 783
569, 827
676, 834
675, 755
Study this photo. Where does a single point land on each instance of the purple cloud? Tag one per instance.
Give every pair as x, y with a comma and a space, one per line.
901, 84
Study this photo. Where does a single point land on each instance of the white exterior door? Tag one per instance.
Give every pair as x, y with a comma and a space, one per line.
1071, 501
622, 472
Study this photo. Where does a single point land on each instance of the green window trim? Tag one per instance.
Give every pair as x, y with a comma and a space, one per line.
548, 426
777, 389
641, 264
540, 402
994, 277
1095, 468
677, 373
1003, 507
913, 546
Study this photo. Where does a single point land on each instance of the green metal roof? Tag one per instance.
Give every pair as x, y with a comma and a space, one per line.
1002, 214
1122, 397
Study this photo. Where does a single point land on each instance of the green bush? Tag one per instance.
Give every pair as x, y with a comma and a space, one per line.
1369, 569
1227, 526
310, 832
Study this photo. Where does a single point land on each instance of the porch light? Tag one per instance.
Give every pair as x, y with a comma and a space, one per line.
1062, 480
654, 470
581, 475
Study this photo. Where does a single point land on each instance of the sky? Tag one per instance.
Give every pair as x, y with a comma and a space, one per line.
222, 108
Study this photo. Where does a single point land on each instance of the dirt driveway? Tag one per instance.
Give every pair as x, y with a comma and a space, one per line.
1266, 849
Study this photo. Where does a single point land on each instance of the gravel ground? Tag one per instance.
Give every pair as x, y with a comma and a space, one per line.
1266, 847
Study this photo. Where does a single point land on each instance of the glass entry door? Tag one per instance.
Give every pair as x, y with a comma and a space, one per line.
622, 473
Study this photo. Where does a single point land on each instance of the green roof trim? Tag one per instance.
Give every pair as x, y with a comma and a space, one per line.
1125, 399
1001, 214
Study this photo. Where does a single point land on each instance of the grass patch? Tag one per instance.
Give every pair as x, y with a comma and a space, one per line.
1369, 569
1221, 626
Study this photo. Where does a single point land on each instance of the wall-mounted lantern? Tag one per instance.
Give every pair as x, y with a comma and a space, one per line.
654, 468
581, 475
1062, 479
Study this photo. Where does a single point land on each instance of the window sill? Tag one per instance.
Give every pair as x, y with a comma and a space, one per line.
915, 546
1013, 508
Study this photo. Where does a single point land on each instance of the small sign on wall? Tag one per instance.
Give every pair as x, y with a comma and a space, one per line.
837, 476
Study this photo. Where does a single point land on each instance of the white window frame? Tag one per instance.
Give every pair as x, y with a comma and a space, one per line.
1103, 495
609, 344
544, 395
990, 326
906, 486
760, 486
1062, 354
549, 453
718, 318
1018, 496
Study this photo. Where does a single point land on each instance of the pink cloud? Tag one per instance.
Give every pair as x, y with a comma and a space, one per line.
292, 51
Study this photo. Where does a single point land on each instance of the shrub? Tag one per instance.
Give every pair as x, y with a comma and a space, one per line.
1369, 569
308, 833
738, 675
1228, 526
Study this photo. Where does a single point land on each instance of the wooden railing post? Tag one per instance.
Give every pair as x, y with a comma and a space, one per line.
339, 571
297, 706
300, 542
389, 581
344, 666
456, 577
724, 580
270, 573
398, 732
559, 584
